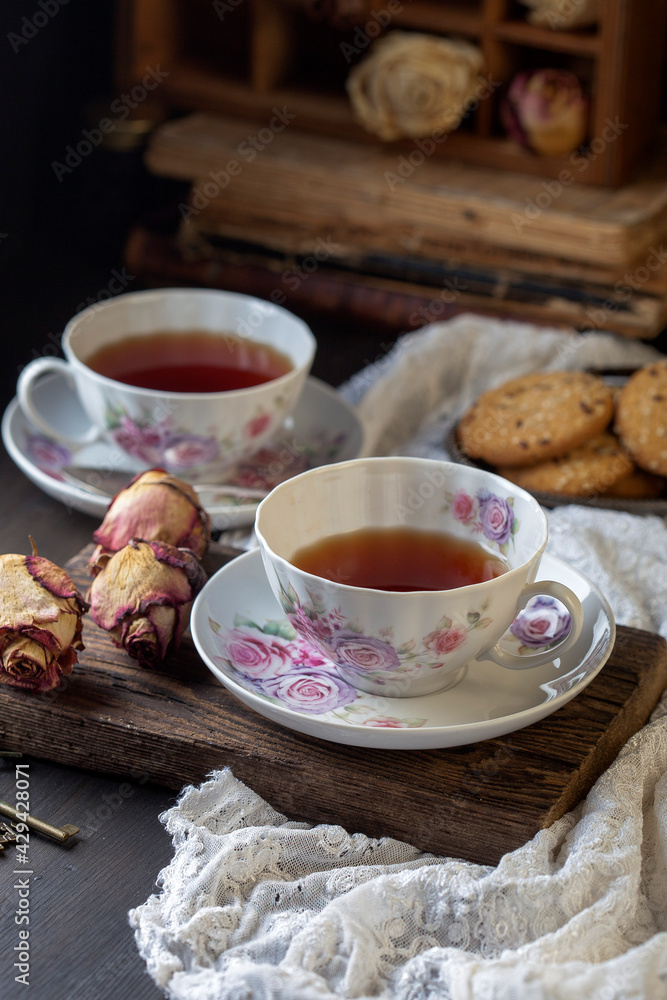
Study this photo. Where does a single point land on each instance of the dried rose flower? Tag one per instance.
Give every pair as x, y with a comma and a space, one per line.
40, 622
412, 84
545, 110
143, 597
155, 506
563, 15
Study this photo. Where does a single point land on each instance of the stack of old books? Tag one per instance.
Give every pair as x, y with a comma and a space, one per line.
403, 237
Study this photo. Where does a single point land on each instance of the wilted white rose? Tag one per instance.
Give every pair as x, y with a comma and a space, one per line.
412, 84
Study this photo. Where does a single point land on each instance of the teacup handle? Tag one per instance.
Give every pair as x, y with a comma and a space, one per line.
549, 588
33, 371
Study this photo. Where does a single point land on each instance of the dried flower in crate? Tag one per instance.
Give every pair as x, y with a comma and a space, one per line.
143, 597
155, 506
545, 110
562, 15
412, 84
41, 614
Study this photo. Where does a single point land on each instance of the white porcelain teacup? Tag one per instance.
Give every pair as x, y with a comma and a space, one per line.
198, 435
420, 641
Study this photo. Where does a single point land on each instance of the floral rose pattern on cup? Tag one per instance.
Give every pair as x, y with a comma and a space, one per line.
257, 425
273, 662
444, 640
487, 513
361, 652
379, 657
157, 442
183, 451
543, 622
273, 464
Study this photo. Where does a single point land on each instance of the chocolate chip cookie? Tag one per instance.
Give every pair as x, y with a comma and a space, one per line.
591, 469
641, 417
536, 417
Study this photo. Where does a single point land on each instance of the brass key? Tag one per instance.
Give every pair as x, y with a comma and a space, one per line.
61, 833
7, 835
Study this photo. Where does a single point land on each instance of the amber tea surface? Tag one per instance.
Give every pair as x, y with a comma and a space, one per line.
190, 361
400, 559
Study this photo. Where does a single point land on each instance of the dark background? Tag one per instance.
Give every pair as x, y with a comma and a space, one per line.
62, 241
49, 260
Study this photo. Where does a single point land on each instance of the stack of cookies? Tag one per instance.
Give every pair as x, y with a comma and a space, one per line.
571, 434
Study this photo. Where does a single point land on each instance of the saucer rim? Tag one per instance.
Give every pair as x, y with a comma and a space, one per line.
90, 503
426, 737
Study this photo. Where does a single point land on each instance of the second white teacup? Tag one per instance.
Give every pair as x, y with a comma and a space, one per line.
196, 428
413, 641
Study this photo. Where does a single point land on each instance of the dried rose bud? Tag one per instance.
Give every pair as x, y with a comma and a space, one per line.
40, 622
143, 598
155, 506
546, 111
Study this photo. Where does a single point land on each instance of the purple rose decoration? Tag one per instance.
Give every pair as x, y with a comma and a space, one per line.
46, 453
361, 652
311, 691
496, 517
144, 443
542, 622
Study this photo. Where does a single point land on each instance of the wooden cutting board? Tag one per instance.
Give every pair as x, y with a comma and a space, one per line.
475, 802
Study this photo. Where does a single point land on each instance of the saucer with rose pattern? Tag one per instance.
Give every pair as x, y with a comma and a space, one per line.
323, 428
242, 635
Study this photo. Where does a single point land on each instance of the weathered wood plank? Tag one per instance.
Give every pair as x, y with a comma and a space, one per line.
174, 726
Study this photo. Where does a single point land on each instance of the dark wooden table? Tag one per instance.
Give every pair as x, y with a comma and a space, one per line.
81, 944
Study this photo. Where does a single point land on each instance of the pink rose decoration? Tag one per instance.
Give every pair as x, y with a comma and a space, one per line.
313, 629
445, 640
383, 722
463, 507
257, 425
311, 691
308, 656
254, 654
187, 450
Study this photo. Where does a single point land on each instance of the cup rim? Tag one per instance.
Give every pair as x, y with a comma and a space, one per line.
295, 371
409, 461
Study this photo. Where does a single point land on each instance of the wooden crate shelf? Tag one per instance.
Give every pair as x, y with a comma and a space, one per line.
260, 53
431, 16
571, 42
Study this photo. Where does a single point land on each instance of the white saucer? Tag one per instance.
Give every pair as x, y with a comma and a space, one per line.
490, 700
323, 428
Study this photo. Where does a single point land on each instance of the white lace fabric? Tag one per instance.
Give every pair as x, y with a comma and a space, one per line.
255, 906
